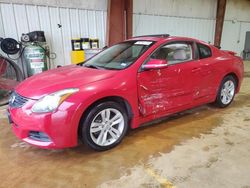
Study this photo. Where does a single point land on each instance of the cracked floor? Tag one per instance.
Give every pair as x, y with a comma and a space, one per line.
202, 147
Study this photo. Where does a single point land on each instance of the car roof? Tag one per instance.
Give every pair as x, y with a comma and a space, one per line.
165, 37
151, 37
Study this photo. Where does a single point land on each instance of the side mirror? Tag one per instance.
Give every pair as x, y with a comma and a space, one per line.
155, 64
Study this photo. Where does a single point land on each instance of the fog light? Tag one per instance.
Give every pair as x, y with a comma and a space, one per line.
39, 136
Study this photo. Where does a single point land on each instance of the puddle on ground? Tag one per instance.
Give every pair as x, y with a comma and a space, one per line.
74, 166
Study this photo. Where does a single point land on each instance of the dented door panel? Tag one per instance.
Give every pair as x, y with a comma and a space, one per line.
164, 89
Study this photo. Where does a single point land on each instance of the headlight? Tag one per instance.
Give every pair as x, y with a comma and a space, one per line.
50, 102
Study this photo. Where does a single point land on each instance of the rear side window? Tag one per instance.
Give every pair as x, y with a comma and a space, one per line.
204, 51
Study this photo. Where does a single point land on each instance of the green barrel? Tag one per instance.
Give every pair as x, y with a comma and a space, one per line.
35, 59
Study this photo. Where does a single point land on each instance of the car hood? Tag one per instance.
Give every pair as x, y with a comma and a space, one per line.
71, 76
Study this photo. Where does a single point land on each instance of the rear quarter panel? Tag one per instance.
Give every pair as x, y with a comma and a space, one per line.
225, 64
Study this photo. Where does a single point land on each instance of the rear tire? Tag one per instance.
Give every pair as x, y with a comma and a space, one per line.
104, 126
226, 92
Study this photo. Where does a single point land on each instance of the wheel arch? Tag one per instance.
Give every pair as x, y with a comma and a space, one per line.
120, 100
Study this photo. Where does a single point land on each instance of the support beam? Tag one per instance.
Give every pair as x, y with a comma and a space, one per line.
119, 21
129, 18
221, 9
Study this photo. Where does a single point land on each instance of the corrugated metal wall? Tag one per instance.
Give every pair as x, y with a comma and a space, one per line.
16, 19
194, 18
177, 26
233, 35
237, 23
180, 8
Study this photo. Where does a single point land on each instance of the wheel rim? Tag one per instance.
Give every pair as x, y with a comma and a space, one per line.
227, 92
107, 127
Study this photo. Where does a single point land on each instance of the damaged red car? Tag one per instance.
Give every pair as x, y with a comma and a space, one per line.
125, 86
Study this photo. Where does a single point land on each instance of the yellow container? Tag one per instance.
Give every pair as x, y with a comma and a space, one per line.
77, 56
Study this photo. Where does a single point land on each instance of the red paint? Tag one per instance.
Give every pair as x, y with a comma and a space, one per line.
151, 93
155, 64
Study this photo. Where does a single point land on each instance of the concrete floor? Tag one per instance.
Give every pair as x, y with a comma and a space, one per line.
203, 147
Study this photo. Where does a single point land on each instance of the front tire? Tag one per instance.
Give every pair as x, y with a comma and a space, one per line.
226, 92
105, 126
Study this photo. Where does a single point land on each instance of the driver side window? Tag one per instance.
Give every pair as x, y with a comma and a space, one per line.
174, 53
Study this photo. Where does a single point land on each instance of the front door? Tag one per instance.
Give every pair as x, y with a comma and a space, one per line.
163, 90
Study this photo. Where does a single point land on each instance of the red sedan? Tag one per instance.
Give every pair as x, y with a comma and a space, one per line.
124, 86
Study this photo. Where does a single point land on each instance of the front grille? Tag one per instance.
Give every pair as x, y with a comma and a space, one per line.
16, 100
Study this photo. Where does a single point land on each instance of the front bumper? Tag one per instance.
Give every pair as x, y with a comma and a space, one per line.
60, 126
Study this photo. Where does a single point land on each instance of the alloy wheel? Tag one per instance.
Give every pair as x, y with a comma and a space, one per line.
227, 92
107, 127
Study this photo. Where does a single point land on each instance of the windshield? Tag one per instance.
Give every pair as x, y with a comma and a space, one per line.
119, 56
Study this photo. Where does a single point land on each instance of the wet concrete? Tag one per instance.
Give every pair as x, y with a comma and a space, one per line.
22, 165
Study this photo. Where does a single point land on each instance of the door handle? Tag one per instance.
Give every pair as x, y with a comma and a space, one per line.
196, 69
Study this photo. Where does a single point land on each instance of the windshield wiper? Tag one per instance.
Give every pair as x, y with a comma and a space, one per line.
110, 68
99, 67
92, 66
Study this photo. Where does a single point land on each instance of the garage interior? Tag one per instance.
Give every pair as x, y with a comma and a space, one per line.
201, 147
